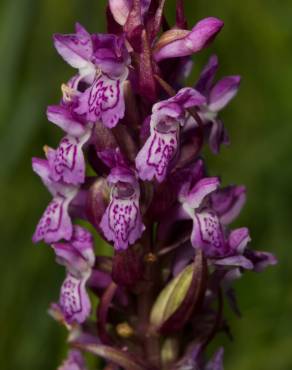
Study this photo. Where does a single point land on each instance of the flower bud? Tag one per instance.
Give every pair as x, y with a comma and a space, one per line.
179, 298
179, 43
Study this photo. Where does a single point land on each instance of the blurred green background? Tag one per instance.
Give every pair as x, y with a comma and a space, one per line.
256, 43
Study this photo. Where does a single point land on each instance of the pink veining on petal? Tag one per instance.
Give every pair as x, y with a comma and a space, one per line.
208, 234
55, 223
67, 161
103, 101
122, 221
74, 300
155, 157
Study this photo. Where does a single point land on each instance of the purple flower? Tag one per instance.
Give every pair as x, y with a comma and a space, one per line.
260, 260
77, 254
77, 50
102, 61
74, 301
216, 362
161, 147
78, 257
103, 100
64, 115
110, 54
149, 169
74, 361
218, 96
66, 119
207, 231
234, 249
55, 223
228, 202
67, 162
122, 221
180, 43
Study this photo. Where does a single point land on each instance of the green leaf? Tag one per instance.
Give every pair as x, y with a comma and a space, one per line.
178, 299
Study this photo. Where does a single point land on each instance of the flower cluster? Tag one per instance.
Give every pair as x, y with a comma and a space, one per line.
126, 115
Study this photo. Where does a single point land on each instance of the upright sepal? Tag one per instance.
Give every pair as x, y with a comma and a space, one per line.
228, 202
66, 119
223, 92
76, 49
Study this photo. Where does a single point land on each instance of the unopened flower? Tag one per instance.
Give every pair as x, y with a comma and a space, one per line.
181, 43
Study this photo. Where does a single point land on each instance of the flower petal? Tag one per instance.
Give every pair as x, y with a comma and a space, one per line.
223, 92
203, 187
74, 301
218, 135
122, 221
176, 105
216, 363
228, 202
238, 240
238, 261
103, 101
76, 49
110, 54
55, 224
207, 234
67, 120
77, 254
197, 39
43, 169
206, 78
121, 8
67, 161
74, 361
154, 158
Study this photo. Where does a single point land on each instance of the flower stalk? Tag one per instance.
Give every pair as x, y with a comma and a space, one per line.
127, 116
